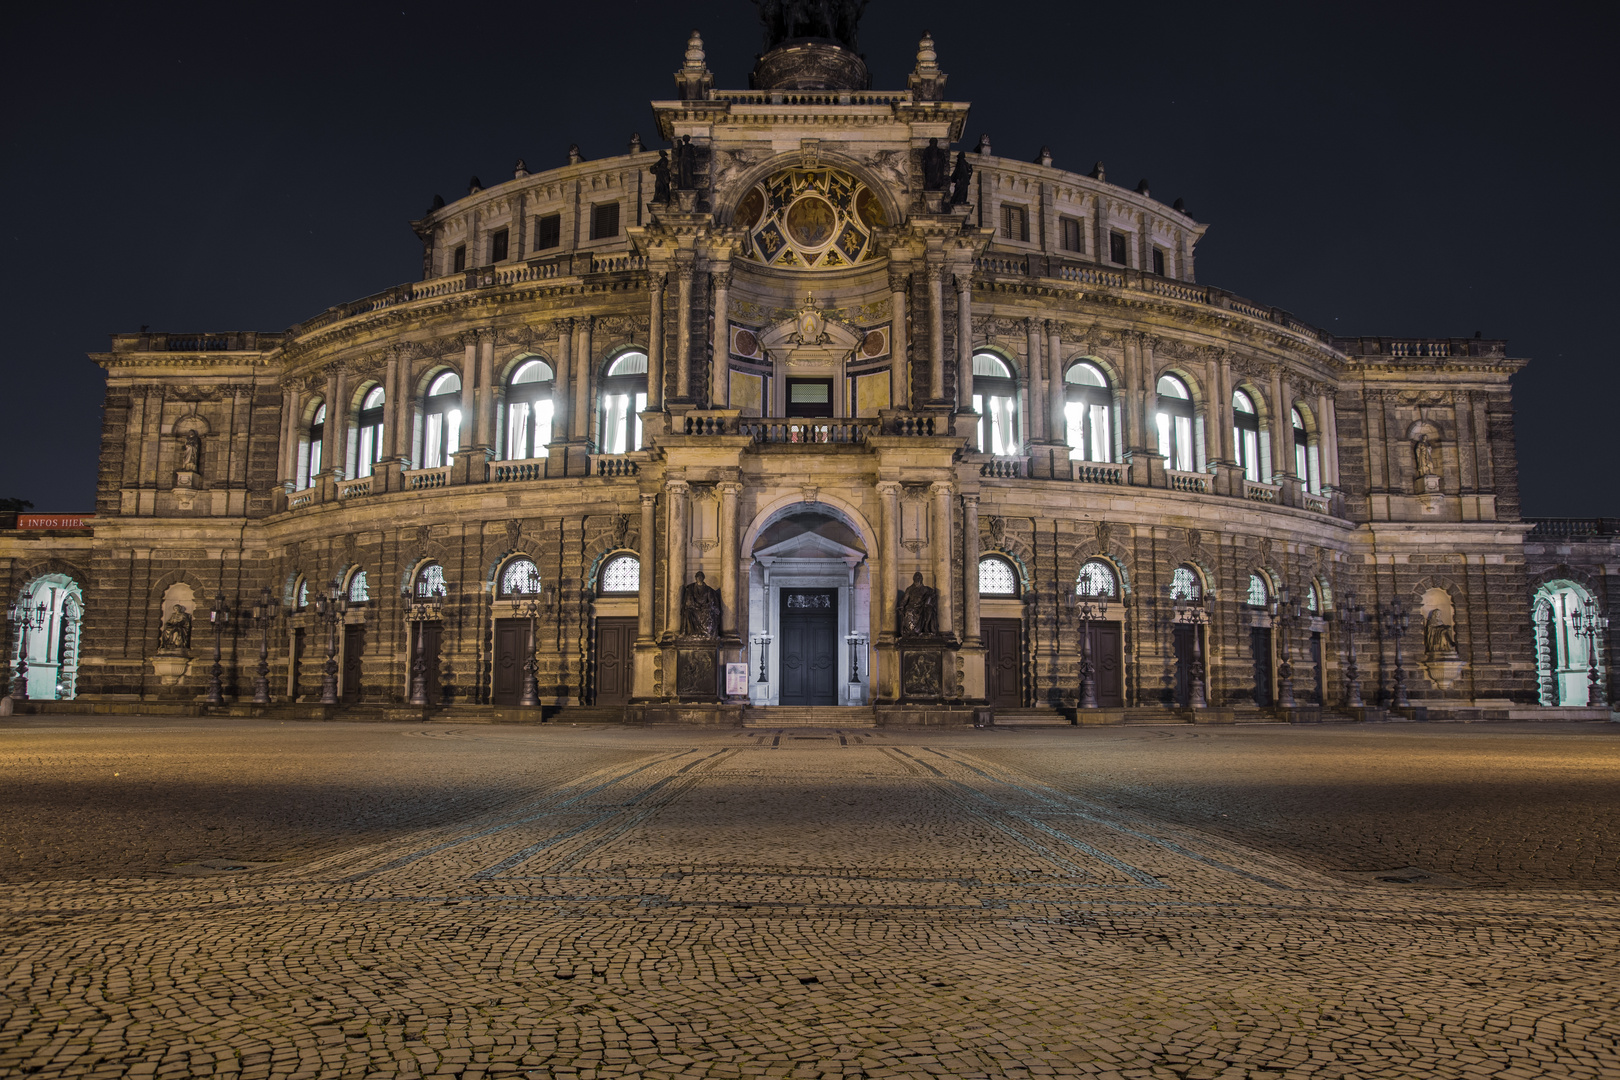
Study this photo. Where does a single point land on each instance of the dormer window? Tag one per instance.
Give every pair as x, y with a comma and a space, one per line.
1158, 261
1117, 251
1071, 234
460, 259
498, 241
1014, 222
547, 232
604, 220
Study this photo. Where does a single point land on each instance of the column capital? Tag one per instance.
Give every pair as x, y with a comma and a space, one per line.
898, 277
1054, 328
656, 280
964, 281
648, 499
970, 498
721, 278
563, 326
942, 487
677, 487
729, 487
889, 488
934, 269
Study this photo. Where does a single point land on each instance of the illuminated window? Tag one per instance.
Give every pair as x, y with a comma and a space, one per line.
1302, 467
430, 580
624, 399
1246, 434
1311, 602
1175, 420
529, 410
1259, 595
370, 424
441, 421
622, 574
302, 594
995, 399
309, 459
996, 577
359, 590
520, 578
1088, 404
1184, 584
1097, 579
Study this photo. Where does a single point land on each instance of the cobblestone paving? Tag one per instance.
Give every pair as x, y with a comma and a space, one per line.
584, 902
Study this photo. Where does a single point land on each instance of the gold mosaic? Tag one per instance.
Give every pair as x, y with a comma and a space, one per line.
809, 219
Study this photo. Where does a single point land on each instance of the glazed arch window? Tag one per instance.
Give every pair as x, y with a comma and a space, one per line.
301, 594
1259, 595
370, 432
1312, 603
624, 399
521, 577
1097, 578
1088, 413
1185, 584
529, 409
441, 421
359, 589
1302, 467
1246, 434
429, 581
1158, 261
997, 577
621, 575
309, 450
995, 399
1175, 421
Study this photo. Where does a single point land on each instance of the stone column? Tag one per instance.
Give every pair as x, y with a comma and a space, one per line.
728, 557
645, 600
941, 539
582, 378
887, 681
390, 440
935, 275
655, 341
404, 415
970, 569
899, 354
676, 491
964, 341
1227, 421
1054, 376
1281, 429
1325, 458
486, 388
683, 329
720, 349
1330, 441
337, 424
289, 437
469, 381
1036, 374
559, 384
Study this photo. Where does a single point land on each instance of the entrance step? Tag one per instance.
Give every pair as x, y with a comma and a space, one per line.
586, 714
1031, 718
1156, 716
825, 716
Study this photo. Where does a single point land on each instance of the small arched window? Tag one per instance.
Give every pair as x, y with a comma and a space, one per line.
1088, 403
997, 577
359, 590
1246, 434
441, 421
1185, 585
529, 409
995, 399
309, 460
621, 575
1312, 603
1175, 420
430, 581
1259, 596
1302, 467
301, 594
624, 399
1097, 578
370, 425
520, 578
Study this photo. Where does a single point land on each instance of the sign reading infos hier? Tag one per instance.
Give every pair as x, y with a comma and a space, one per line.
55, 521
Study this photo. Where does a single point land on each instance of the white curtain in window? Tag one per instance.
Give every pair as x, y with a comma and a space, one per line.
621, 428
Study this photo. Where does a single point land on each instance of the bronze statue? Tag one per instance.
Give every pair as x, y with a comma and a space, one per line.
833, 20
191, 453
959, 180
175, 634
660, 171
685, 164
700, 609
1439, 636
936, 160
919, 609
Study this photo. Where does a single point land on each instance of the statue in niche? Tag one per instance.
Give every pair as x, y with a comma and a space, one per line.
660, 171
959, 180
685, 164
175, 635
1439, 636
919, 609
1423, 452
700, 609
936, 163
191, 453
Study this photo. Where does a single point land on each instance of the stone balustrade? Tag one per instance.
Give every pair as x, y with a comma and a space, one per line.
1099, 472
611, 465
354, 489
424, 479
1194, 482
501, 472
1262, 493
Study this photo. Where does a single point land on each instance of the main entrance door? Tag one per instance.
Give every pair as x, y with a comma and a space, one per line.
511, 637
809, 647
1260, 652
1106, 655
1001, 662
615, 656
354, 651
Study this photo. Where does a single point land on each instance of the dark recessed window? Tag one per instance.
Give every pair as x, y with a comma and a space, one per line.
497, 246
1014, 223
1071, 234
548, 232
461, 257
1158, 261
604, 220
1116, 248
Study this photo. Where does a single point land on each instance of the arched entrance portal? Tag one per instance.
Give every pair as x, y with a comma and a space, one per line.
51, 638
809, 596
1565, 664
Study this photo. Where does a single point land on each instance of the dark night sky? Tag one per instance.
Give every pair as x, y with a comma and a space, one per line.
1401, 169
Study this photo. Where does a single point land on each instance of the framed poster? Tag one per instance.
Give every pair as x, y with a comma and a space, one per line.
736, 680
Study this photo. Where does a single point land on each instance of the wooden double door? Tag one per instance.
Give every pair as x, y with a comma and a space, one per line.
1003, 662
1107, 659
809, 658
511, 651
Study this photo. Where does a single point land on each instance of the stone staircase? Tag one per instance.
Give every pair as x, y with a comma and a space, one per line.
1032, 718
817, 716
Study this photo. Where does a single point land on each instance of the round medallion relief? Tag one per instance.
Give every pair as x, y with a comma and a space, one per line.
872, 343
747, 343
810, 221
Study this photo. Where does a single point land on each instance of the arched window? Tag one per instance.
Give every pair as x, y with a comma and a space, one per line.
1088, 411
624, 399
997, 577
1259, 596
1097, 579
1185, 585
622, 574
1302, 468
995, 399
520, 578
1313, 603
430, 581
1175, 419
370, 423
309, 460
529, 410
1562, 640
441, 421
1246, 434
359, 589
301, 594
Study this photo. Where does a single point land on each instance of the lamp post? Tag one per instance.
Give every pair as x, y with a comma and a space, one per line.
1592, 626
530, 696
1284, 615
1351, 615
1192, 611
264, 616
418, 610
1087, 609
331, 608
220, 616
764, 643
855, 643
1396, 621
24, 618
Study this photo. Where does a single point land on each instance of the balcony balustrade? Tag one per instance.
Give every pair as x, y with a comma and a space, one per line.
1262, 493
1195, 482
354, 489
425, 479
1099, 472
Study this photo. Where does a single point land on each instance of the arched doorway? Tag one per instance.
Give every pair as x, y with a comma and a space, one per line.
50, 638
1564, 660
809, 599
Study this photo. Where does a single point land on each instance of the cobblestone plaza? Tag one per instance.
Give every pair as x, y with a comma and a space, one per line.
184, 897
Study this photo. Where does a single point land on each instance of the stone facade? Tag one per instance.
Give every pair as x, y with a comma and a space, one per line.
813, 320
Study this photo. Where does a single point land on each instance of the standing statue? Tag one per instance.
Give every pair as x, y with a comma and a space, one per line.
959, 180
685, 164
1439, 636
660, 171
191, 453
1423, 451
700, 609
919, 609
175, 635
936, 163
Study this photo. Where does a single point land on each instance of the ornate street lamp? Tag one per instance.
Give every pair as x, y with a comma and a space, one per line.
1284, 615
418, 610
25, 618
265, 613
1351, 616
764, 643
220, 617
1194, 612
530, 609
855, 643
1396, 621
331, 608
1592, 626
1088, 610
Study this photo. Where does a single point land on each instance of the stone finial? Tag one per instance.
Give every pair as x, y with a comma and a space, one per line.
1142, 187
696, 61
694, 80
984, 145
635, 143
927, 58
521, 169
1045, 156
926, 81
1097, 172
574, 156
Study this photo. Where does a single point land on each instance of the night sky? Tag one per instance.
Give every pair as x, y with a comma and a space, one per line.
1422, 170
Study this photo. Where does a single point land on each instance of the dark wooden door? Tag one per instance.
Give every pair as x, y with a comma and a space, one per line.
296, 662
428, 636
511, 643
1316, 668
1107, 656
615, 660
1003, 657
354, 654
1260, 652
809, 647
1184, 660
